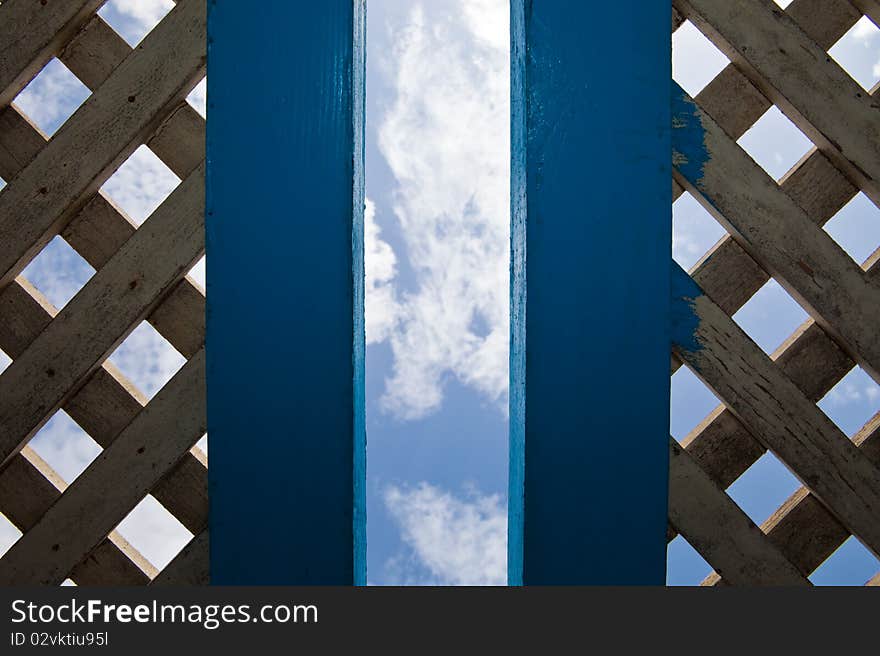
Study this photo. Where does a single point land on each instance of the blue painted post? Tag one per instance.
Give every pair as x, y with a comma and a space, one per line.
285, 339
590, 287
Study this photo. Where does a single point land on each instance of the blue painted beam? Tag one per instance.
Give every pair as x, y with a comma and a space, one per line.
590, 292
285, 341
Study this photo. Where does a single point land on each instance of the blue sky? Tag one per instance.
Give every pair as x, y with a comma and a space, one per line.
437, 297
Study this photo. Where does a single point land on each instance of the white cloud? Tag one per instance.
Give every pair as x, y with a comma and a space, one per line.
133, 19
446, 140
147, 359
51, 97
460, 541
141, 184
381, 308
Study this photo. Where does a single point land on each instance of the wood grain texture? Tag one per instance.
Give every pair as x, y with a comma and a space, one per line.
110, 305
101, 134
31, 33
800, 78
114, 483
776, 411
722, 533
777, 233
802, 528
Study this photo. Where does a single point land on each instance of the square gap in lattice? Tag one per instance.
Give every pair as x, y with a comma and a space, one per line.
694, 231
147, 359
763, 488
770, 316
684, 565
9, 534
690, 402
134, 19
154, 532
141, 184
695, 59
65, 447
852, 402
58, 272
52, 97
851, 564
775, 143
856, 228
858, 53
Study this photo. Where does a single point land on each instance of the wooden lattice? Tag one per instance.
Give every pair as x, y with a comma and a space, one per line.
138, 97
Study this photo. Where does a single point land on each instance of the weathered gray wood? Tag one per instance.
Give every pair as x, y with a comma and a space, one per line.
802, 528
30, 35
722, 533
824, 21
783, 239
190, 566
800, 78
95, 53
110, 305
29, 487
782, 418
126, 109
114, 483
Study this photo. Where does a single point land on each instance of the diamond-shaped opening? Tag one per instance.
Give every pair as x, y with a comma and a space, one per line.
67, 583
141, 184
59, 272
775, 143
147, 359
858, 53
694, 231
684, 565
783, 3
690, 402
197, 273
9, 534
763, 487
695, 59
2, 183
52, 97
856, 227
850, 564
134, 19
770, 316
198, 97
154, 532
66, 447
5, 361
852, 402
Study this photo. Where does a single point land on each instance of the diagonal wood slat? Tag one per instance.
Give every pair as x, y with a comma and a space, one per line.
800, 78
102, 133
117, 480
32, 33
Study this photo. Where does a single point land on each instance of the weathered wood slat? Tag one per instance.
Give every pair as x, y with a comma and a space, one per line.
802, 528
110, 305
776, 232
776, 411
722, 533
104, 405
100, 229
29, 487
190, 566
95, 53
103, 132
114, 483
30, 35
800, 78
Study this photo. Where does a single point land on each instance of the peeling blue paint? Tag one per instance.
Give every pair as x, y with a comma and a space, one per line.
685, 320
689, 151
